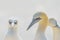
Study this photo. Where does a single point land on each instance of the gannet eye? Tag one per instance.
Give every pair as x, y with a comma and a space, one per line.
15, 22
38, 18
10, 21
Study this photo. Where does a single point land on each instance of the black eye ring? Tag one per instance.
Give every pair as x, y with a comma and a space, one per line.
38, 18
15, 22
10, 21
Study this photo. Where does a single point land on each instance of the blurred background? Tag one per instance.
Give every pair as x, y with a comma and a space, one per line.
23, 11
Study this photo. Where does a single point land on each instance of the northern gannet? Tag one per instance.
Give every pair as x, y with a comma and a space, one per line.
55, 28
12, 31
42, 18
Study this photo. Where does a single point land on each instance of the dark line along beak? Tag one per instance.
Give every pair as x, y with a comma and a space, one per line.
33, 22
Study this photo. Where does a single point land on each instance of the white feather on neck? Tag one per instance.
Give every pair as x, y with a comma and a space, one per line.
40, 35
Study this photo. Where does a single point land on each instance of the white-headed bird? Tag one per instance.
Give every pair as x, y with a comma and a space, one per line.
55, 28
42, 18
12, 31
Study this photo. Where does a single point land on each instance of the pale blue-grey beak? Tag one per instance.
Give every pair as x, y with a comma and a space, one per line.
33, 22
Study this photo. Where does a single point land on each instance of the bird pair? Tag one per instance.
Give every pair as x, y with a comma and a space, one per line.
43, 20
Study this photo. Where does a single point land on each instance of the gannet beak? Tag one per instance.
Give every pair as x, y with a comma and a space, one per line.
33, 22
12, 24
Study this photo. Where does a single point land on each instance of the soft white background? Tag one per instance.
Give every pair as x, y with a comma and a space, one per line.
23, 11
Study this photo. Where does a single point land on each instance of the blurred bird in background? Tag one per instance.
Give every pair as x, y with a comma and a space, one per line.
12, 31
42, 18
55, 28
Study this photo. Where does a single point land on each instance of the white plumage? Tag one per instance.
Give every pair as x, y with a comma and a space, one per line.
12, 33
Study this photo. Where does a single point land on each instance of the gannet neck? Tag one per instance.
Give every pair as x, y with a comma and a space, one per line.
43, 24
40, 35
12, 31
56, 33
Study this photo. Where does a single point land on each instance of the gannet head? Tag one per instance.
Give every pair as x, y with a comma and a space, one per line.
53, 22
38, 17
12, 22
